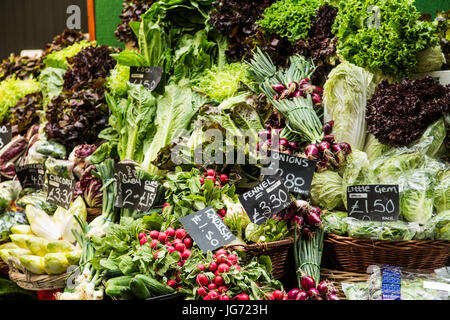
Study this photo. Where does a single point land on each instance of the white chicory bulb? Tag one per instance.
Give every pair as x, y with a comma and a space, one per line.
66, 221
41, 224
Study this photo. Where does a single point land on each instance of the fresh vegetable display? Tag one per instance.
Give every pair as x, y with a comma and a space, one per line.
141, 173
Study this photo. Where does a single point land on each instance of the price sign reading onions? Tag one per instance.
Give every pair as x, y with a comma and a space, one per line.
5, 135
297, 173
149, 77
31, 175
373, 202
207, 229
266, 199
60, 190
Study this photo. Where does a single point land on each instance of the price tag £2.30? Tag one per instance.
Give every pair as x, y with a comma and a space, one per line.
207, 229
266, 199
60, 190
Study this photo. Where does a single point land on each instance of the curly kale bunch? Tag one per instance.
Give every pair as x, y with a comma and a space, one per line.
397, 114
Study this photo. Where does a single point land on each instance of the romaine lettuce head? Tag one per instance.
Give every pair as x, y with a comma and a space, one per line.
442, 192
442, 226
416, 196
432, 139
334, 222
327, 190
390, 167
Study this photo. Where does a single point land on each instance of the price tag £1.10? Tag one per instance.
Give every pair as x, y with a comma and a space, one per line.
266, 199
31, 175
60, 190
373, 202
207, 229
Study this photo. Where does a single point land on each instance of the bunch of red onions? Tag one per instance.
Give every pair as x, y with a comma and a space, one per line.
304, 216
297, 90
328, 152
275, 121
288, 147
310, 291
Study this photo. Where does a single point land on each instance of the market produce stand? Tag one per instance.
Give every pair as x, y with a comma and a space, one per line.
332, 121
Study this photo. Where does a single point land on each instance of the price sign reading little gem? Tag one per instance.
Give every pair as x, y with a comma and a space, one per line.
132, 192
149, 77
266, 199
373, 202
5, 135
207, 229
60, 190
31, 175
296, 172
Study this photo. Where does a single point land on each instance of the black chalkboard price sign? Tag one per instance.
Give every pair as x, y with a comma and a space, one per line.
31, 175
149, 77
207, 229
296, 172
5, 135
373, 202
132, 192
266, 199
60, 190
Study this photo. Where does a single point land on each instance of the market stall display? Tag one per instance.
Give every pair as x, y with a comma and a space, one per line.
261, 150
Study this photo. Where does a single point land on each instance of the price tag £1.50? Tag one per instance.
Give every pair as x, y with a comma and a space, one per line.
60, 190
266, 199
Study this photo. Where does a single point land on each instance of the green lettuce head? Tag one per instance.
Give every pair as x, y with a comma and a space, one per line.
442, 192
390, 167
327, 190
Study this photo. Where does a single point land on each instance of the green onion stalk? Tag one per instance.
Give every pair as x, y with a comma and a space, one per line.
308, 254
303, 119
90, 278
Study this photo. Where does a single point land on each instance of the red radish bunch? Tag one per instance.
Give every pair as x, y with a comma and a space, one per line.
297, 90
328, 153
176, 242
310, 291
216, 177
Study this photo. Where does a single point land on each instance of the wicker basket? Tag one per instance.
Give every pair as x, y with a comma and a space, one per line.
34, 282
355, 255
278, 251
337, 277
93, 213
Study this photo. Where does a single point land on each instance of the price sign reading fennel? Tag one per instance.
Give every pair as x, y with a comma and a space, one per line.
373, 202
5, 135
134, 193
207, 229
266, 199
31, 175
149, 77
60, 190
296, 172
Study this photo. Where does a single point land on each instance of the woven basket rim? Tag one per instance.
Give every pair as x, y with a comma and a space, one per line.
401, 244
262, 245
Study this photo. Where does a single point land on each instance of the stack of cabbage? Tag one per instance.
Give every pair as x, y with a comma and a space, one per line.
46, 245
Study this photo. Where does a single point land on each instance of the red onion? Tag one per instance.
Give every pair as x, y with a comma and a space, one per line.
318, 89
323, 287
283, 142
293, 145
306, 232
302, 205
293, 293
328, 127
276, 97
307, 283
316, 210
324, 145
298, 94
313, 293
345, 147
313, 219
303, 81
329, 138
289, 152
294, 85
278, 87
331, 296
316, 98
336, 148
312, 151
298, 220
301, 295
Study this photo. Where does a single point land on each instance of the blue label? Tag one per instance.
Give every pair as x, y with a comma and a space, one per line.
391, 283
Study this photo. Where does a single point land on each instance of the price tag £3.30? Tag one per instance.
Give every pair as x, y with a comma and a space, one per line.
266, 199
207, 229
60, 190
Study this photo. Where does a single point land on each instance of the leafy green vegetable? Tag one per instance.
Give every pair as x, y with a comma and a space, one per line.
327, 190
58, 59
442, 192
374, 148
290, 18
116, 83
345, 98
222, 83
382, 35
271, 230
12, 90
334, 222
430, 59
51, 81
442, 226
389, 167
432, 139
393, 230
